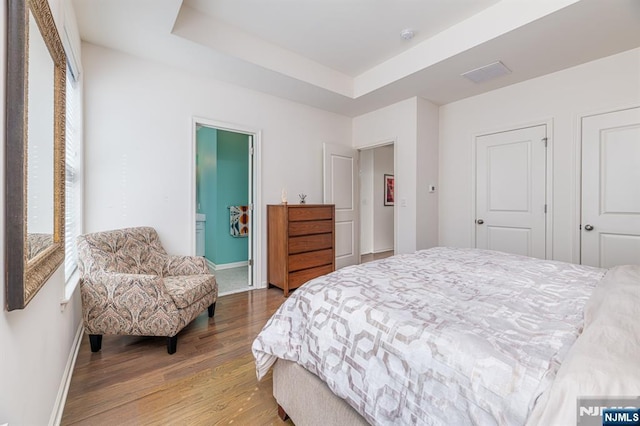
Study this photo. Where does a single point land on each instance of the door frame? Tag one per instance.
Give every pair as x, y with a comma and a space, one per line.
576, 255
385, 142
256, 190
549, 177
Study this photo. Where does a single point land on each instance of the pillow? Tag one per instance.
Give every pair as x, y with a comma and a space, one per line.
616, 296
605, 359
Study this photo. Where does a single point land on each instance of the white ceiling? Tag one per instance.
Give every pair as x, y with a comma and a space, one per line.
347, 56
349, 36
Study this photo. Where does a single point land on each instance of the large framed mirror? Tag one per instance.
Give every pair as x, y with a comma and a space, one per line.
34, 199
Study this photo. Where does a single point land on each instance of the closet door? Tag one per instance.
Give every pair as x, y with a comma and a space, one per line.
610, 224
511, 191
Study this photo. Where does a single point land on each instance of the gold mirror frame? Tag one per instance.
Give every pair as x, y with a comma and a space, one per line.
24, 276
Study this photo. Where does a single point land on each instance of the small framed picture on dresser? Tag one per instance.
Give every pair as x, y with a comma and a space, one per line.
389, 197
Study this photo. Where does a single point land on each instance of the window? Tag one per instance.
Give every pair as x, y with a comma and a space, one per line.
73, 178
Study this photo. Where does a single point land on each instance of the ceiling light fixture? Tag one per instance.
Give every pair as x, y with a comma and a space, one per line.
407, 34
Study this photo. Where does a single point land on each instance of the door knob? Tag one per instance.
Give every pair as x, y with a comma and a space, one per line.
588, 228
479, 221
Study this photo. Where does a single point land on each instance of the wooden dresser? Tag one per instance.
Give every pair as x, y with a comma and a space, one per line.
300, 243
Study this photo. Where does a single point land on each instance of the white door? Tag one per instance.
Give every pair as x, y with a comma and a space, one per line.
610, 228
340, 167
511, 191
251, 209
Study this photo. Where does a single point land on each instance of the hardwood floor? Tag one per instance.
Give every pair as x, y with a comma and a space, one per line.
210, 380
375, 256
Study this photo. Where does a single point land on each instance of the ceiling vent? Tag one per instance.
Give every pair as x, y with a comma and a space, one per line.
487, 72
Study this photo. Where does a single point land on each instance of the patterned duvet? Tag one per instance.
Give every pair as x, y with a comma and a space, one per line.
440, 337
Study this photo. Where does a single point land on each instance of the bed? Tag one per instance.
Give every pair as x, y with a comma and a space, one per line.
451, 336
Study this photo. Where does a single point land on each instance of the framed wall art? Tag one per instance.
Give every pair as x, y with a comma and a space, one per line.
389, 190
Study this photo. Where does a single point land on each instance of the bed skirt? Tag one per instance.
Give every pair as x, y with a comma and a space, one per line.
307, 400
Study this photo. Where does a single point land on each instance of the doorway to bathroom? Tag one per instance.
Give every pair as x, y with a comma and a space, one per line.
223, 203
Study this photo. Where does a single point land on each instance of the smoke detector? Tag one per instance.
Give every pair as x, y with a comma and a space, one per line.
407, 34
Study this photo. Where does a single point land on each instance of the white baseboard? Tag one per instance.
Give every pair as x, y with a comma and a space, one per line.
376, 252
210, 264
61, 398
227, 265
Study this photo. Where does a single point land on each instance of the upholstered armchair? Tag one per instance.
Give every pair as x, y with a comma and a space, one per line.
131, 286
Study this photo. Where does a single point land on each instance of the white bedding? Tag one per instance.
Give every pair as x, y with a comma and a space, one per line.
605, 360
443, 336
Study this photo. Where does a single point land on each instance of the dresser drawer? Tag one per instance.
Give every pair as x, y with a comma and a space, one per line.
310, 243
310, 227
296, 279
310, 213
310, 259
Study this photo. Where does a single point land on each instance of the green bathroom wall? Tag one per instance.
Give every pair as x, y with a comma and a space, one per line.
222, 180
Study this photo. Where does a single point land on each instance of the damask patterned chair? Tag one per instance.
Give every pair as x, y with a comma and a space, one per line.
131, 286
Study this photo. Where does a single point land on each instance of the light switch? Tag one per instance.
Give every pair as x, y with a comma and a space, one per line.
432, 188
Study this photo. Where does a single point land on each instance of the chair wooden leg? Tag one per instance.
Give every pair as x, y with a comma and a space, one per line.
95, 340
172, 344
282, 414
212, 309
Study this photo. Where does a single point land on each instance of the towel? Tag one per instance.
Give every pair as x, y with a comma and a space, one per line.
239, 221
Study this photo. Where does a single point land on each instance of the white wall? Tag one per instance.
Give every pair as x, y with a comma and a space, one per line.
382, 215
366, 201
138, 153
413, 125
427, 174
608, 83
35, 343
396, 123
